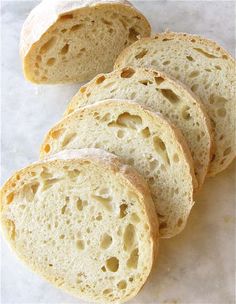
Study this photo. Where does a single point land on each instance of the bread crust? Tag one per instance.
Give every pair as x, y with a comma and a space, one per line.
204, 42
129, 177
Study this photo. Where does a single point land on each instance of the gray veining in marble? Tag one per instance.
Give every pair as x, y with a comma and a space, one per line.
196, 267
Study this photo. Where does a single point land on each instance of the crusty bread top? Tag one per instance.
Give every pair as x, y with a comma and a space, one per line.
161, 94
44, 15
26, 188
207, 69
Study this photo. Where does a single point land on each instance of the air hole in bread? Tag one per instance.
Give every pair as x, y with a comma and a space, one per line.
221, 112
105, 118
145, 82
112, 264
180, 222
80, 204
122, 284
76, 27
123, 210
153, 164
151, 181
48, 183
83, 89
227, 151
130, 161
100, 79
194, 87
80, 245
170, 95
133, 34
104, 201
48, 45
218, 101
205, 53
44, 78
120, 133
160, 148
146, 132
107, 291
127, 73
73, 173
68, 139
57, 133
176, 158
194, 74
51, 61
63, 31
129, 237
45, 174
167, 39
66, 17
159, 80
10, 197
166, 62
133, 259
127, 120
141, 54
65, 49
63, 209
190, 58
218, 67
103, 269
62, 236
106, 241
11, 228
34, 187
185, 113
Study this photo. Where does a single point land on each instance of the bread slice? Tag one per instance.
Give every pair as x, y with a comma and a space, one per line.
207, 69
143, 139
72, 41
161, 94
85, 222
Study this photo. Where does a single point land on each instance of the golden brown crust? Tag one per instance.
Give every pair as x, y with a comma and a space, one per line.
128, 176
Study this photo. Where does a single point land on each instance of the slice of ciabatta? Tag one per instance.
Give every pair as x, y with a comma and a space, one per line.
207, 69
72, 41
161, 94
85, 222
143, 139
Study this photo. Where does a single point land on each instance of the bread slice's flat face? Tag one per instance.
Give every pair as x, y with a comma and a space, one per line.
72, 41
160, 94
143, 139
207, 69
85, 222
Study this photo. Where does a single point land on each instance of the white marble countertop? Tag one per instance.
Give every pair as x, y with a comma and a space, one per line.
196, 267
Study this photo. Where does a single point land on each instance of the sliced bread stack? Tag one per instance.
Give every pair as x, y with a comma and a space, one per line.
161, 94
207, 69
121, 167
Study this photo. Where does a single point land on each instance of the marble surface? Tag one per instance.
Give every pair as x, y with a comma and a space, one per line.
196, 267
